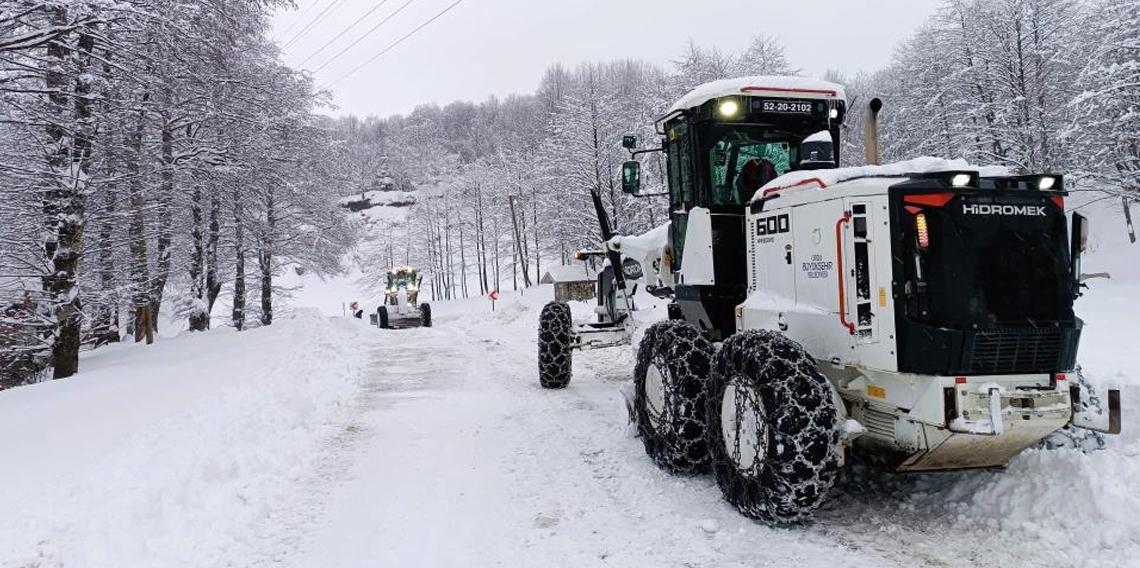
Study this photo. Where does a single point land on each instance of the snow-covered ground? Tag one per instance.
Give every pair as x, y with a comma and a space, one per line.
198, 451
322, 442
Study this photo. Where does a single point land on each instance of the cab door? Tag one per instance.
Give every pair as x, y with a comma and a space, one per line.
681, 194
863, 287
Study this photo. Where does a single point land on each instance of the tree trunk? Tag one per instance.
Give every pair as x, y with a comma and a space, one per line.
481, 229
495, 228
447, 247
265, 261
105, 326
462, 263
165, 220
140, 270
65, 208
537, 247
199, 313
520, 251
238, 314
213, 282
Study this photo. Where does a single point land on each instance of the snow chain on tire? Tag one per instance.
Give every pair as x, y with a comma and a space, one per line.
554, 354
671, 415
794, 460
425, 315
1071, 437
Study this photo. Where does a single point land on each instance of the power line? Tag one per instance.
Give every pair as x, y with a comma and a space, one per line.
346, 30
397, 42
366, 34
324, 13
317, 19
301, 16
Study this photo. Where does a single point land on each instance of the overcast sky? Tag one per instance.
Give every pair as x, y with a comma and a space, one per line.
499, 47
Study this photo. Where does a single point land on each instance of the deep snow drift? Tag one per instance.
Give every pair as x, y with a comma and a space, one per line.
192, 452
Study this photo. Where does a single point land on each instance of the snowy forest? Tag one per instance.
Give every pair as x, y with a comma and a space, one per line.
1035, 85
157, 155
153, 153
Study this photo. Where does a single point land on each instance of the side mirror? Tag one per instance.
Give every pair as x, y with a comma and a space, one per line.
1080, 241
629, 142
631, 177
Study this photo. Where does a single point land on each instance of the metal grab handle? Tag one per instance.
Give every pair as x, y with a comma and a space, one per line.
846, 218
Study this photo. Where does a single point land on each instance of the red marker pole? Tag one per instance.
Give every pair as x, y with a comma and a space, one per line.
494, 295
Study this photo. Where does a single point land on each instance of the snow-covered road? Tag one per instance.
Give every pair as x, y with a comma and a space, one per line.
462, 460
324, 443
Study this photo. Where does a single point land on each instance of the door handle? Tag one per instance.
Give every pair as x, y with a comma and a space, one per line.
840, 275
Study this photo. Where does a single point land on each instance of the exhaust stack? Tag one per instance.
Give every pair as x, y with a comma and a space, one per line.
871, 131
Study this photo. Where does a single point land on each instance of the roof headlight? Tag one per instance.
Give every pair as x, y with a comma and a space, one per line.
1046, 183
961, 180
729, 108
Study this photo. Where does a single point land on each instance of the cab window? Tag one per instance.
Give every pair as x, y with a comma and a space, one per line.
680, 166
740, 162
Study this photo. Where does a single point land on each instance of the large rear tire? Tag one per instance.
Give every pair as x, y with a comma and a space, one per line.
382, 317
674, 362
554, 353
425, 315
772, 428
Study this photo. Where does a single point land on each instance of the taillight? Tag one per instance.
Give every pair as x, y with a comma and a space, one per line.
923, 230
1055, 379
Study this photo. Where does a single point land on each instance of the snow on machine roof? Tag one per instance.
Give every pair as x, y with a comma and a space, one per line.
806, 182
798, 87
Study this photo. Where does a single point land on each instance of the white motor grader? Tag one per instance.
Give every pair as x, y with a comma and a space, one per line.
919, 315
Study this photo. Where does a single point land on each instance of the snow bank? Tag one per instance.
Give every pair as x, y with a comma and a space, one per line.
916, 166
179, 454
1082, 503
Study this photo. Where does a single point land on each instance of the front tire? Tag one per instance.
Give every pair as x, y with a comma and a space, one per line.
382, 318
425, 315
772, 428
674, 361
554, 353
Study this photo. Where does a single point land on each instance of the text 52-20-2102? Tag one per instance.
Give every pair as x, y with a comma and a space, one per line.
786, 106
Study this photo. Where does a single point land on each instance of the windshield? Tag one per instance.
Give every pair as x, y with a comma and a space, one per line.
742, 158
401, 279
987, 268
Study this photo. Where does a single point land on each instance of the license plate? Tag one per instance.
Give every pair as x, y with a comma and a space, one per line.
780, 106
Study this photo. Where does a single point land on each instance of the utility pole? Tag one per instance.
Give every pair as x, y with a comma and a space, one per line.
518, 247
